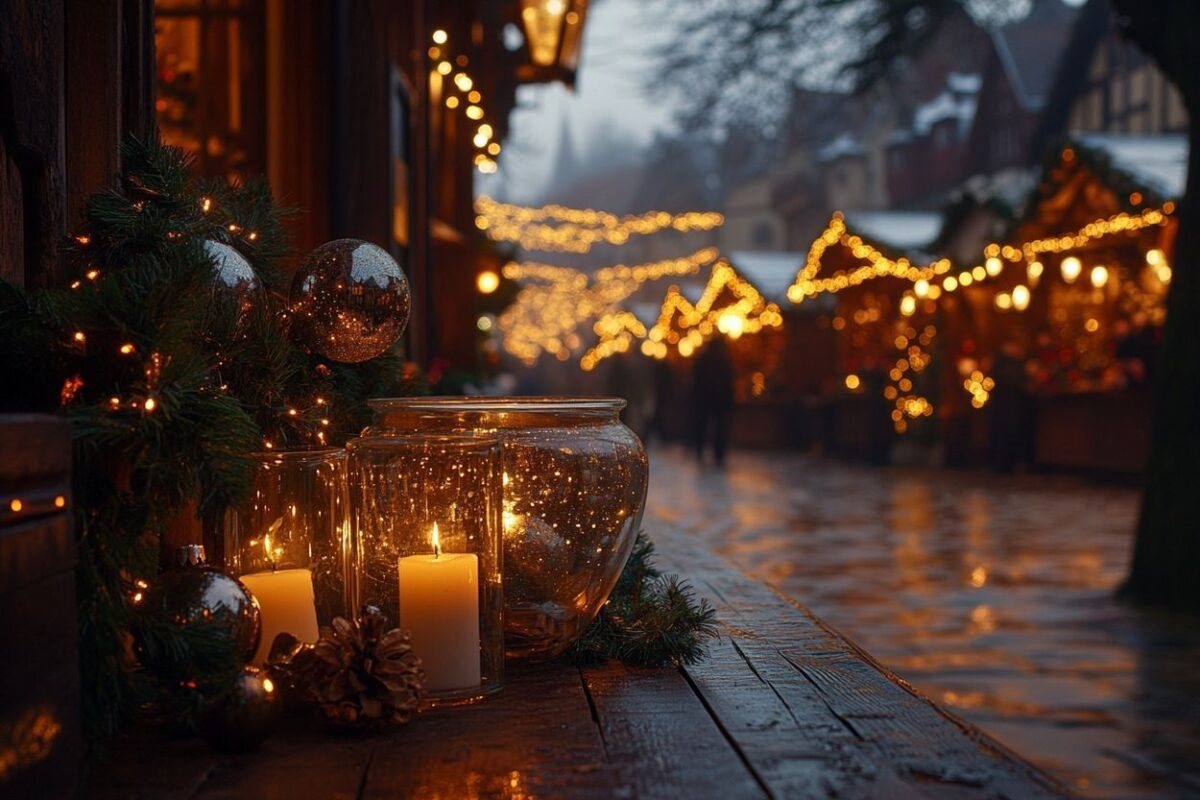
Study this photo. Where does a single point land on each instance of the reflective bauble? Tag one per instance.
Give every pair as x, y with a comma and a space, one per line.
243, 716
196, 594
350, 300
234, 279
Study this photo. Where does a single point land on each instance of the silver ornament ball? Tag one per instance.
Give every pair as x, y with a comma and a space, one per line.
196, 594
350, 300
245, 716
234, 278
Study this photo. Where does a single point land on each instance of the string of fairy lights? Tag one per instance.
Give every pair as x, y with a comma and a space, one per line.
558, 228
555, 305
450, 80
556, 302
926, 290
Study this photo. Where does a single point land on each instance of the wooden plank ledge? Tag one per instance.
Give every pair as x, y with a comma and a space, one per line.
783, 707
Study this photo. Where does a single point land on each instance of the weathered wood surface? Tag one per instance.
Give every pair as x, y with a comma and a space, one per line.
783, 707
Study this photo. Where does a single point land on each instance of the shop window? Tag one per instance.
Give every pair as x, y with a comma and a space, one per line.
211, 99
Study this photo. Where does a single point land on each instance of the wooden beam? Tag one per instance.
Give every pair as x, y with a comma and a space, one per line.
94, 96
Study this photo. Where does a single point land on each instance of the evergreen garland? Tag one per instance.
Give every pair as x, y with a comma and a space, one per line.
650, 619
169, 383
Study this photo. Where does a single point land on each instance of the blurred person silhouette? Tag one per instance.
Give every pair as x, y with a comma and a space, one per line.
664, 400
1009, 412
712, 399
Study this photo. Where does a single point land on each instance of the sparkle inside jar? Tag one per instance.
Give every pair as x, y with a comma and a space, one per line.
574, 484
426, 512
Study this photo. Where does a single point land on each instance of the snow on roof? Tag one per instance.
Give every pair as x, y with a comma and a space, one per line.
770, 271
901, 230
945, 106
1010, 186
1158, 162
842, 146
965, 82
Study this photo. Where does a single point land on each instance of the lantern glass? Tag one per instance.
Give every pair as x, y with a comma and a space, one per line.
574, 489
427, 530
289, 542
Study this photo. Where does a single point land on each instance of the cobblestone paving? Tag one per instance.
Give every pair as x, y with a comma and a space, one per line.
991, 594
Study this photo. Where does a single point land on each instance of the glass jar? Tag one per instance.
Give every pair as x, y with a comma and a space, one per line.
574, 489
289, 543
426, 511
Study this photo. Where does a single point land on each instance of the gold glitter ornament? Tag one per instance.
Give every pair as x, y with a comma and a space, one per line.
350, 300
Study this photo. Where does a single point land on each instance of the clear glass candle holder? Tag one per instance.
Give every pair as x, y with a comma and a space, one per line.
289, 543
574, 489
427, 547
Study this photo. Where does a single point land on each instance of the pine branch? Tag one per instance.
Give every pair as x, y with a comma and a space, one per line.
649, 619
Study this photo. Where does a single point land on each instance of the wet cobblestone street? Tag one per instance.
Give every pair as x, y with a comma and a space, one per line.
991, 594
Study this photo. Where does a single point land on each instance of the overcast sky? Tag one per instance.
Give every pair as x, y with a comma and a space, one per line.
610, 98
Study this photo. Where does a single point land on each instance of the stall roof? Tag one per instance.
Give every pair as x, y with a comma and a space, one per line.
1158, 161
900, 230
771, 272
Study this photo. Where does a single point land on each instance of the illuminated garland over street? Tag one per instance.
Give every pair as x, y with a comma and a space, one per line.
575, 230
557, 301
547, 314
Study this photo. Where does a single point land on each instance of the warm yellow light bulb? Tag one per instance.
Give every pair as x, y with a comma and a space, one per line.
1071, 268
487, 282
1020, 297
440, 36
1099, 276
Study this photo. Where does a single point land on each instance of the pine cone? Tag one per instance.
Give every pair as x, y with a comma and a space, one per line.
359, 675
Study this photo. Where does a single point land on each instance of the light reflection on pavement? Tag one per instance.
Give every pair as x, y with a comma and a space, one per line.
991, 594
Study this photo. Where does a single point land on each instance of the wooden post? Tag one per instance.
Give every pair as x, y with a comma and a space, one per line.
421, 337
32, 191
93, 100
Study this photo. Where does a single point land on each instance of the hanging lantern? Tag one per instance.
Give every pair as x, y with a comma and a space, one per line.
554, 37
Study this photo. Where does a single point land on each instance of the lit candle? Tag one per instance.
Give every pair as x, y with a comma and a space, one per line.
286, 602
439, 607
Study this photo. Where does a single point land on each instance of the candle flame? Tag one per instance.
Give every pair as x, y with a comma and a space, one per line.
437, 545
273, 554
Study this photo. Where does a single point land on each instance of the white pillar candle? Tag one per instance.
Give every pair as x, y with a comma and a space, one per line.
288, 605
439, 607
